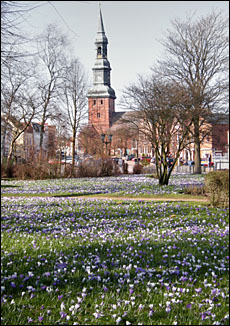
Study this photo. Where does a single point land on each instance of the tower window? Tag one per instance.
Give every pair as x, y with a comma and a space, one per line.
99, 50
94, 102
101, 101
98, 115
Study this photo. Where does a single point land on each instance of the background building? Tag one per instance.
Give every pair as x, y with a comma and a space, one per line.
27, 145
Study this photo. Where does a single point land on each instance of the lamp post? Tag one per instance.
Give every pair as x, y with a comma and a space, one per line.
106, 142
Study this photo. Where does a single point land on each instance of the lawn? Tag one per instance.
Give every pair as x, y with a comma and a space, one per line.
71, 261
129, 185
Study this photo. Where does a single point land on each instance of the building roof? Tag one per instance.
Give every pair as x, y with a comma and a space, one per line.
218, 119
101, 90
120, 118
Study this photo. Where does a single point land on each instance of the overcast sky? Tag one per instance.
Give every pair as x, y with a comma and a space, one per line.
133, 29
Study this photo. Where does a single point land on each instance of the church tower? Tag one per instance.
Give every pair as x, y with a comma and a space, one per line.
101, 97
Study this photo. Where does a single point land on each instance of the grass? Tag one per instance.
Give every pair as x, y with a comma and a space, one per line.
102, 262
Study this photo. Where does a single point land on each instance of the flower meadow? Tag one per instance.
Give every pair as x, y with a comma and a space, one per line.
124, 184
72, 261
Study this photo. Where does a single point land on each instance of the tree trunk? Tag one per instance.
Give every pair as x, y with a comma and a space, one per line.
10, 154
197, 168
164, 178
41, 142
59, 163
73, 156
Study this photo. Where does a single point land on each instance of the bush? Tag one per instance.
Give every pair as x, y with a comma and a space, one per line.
7, 172
86, 169
145, 162
106, 167
195, 190
97, 168
137, 169
36, 171
217, 185
67, 171
148, 169
125, 168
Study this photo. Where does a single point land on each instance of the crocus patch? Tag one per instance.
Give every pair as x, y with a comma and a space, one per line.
95, 262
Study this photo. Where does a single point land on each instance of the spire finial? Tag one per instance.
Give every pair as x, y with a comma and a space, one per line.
100, 21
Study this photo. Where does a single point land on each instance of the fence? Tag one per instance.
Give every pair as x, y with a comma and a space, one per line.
221, 165
186, 169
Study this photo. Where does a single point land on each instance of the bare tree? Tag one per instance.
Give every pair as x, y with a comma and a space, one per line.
161, 112
123, 135
128, 129
51, 48
74, 100
89, 141
18, 103
197, 57
13, 39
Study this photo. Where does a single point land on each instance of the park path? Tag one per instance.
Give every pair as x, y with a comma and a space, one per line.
204, 200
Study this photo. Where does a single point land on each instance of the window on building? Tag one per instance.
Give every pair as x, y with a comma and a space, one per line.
101, 101
98, 115
94, 102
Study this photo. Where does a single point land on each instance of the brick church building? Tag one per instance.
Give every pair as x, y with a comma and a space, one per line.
104, 121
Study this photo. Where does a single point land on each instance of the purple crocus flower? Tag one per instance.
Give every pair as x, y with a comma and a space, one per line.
203, 315
63, 314
40, 319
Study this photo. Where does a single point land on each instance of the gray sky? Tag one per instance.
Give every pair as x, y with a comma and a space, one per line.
133, 29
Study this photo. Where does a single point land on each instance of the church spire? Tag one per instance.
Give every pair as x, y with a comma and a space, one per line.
101, 69
101, 37
100, 21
